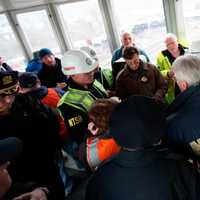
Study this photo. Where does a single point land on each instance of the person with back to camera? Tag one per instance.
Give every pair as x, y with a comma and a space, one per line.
142, 170
183, 127
29, 83
100, 145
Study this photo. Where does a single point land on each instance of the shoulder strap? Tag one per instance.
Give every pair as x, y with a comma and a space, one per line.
108, 76
100, 87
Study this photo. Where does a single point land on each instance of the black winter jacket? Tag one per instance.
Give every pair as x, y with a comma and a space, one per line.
144, 175
37, 126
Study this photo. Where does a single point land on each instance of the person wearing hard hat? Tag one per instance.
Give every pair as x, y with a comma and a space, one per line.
104, 76
82, 91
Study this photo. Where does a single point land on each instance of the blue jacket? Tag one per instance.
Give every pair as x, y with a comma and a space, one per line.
34, 65
183, 124
118, 54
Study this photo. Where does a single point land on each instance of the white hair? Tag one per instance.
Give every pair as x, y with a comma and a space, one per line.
187, 68
170, 36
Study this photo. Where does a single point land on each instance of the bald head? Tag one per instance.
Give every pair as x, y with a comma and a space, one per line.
171, 43
127, 39
170, 36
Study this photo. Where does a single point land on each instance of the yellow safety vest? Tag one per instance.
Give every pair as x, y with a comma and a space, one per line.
81, 99
163, 64
164, 67
107, 73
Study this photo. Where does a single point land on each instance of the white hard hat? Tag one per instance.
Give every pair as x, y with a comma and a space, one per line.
77, 62
91, 52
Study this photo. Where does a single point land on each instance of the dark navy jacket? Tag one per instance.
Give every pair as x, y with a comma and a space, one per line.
41, 92
183, 124
144, 175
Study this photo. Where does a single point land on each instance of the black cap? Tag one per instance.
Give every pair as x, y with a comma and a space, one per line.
10, 148
28, 79
8, 82
137, 122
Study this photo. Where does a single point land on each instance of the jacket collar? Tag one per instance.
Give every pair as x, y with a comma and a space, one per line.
137, 158
182, 99
40, 92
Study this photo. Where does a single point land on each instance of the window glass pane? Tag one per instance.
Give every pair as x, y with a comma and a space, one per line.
84, 24
38, 30
192, 19
145, 19
10, 50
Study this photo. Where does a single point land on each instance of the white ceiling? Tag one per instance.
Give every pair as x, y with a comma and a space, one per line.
18, 4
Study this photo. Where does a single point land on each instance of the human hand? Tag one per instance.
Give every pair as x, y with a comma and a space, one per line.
37, 194
5, 179
93, 129
170, 74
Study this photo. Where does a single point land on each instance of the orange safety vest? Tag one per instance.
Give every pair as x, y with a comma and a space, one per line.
100, 149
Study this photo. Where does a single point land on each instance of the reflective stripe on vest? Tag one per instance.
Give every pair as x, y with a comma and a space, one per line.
108, 76
100, 87
81, 99
92, 152
99, 150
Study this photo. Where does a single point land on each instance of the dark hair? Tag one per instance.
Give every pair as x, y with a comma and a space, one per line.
28, 79
100, 112
129, 52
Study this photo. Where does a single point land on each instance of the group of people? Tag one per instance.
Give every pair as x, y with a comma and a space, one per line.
123, 134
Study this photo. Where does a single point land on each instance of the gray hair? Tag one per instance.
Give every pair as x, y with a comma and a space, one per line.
171, 36
187, 68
